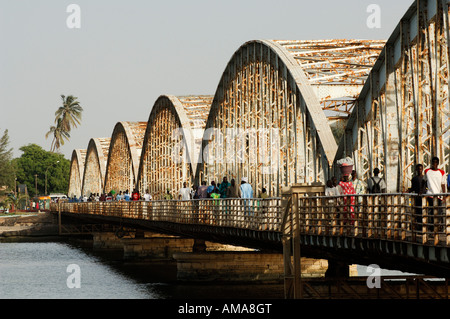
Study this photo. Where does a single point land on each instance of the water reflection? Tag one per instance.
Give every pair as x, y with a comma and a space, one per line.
39, 270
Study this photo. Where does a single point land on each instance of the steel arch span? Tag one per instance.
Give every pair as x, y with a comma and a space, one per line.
401, 117
95, 166
76, 172
280, 107
124, 156
172, 143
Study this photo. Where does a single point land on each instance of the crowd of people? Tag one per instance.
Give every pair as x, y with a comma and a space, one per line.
431, 182
112, 196
223, 189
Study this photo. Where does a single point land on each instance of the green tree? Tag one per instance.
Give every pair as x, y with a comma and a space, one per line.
7, 171
35, 162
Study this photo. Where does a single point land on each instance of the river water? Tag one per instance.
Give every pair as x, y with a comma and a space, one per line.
64, 270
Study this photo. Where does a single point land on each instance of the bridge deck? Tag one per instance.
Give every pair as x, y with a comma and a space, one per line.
380, 226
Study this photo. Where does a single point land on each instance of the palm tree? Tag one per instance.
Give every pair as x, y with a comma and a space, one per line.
59, 134
69, 113
67, 116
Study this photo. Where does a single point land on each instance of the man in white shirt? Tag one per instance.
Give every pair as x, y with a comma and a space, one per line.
185, 192
435, 178
436, 181
147, 196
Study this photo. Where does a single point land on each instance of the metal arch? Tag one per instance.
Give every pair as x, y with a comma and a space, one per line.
291, 77
124, 156
184, 116
401, 117
336, 71
95, 165
76, 172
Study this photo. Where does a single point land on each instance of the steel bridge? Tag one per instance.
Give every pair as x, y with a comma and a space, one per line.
382, 229
284, 113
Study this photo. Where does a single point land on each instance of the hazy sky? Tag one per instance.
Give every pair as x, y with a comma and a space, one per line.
127, 53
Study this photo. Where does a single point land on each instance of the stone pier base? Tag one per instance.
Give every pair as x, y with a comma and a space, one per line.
200, 261
155, 248
240, 266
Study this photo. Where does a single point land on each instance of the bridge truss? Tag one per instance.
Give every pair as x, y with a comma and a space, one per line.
172, 143
285, 111
401, 117
95, 165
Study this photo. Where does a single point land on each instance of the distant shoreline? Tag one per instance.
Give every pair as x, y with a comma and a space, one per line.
28, 225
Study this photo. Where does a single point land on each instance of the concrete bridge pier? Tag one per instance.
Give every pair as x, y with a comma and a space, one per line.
241, 266
158, 247
198, 260
142, 245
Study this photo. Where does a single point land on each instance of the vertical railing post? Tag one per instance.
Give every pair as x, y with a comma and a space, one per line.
404, 199
334, 212
388, 225
296, 246
425, 219
370, 216
364, 216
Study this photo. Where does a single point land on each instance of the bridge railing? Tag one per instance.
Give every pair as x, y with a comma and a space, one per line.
400, 217
255, 214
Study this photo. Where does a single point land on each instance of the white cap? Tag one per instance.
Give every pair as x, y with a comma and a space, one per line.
244, 179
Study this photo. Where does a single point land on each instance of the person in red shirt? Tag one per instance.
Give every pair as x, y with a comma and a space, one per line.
345, 187
135, 195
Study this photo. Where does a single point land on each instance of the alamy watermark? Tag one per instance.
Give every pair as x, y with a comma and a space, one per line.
374, 19
74, 279
374, 279
228, 146
73, 21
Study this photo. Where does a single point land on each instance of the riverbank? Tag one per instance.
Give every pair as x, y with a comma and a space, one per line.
28, 225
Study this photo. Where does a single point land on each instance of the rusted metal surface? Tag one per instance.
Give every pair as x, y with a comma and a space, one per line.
95, 166
172, 143
76, 172
284, 97
336, 69
124, 156
401, 117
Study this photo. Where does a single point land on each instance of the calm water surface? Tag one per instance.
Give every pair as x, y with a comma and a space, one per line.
39, 270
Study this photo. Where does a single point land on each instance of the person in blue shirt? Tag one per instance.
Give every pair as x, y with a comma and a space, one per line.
246, 192
246, 188
126, 196
211, 188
